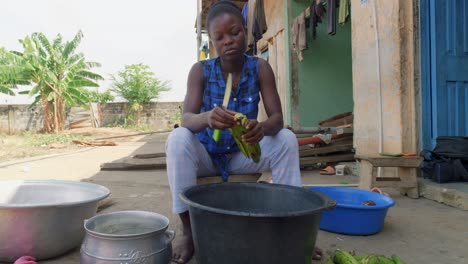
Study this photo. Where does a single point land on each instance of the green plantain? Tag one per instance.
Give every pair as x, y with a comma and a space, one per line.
250, 151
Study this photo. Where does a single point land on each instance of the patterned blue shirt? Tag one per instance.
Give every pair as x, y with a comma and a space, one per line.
244, 100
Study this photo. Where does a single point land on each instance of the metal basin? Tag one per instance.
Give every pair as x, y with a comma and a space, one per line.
44, 218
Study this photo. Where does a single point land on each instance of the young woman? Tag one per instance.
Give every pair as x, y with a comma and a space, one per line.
191, 150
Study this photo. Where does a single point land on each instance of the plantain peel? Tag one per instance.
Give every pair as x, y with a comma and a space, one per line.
250, 151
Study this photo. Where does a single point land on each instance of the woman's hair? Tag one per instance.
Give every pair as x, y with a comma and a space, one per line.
222, 7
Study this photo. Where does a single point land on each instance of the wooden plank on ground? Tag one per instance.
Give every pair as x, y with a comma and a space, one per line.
149, 155
342, 146
338, 120
136, 164
383, 161
309, 161
334, 142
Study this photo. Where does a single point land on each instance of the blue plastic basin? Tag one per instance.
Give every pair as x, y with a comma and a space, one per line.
350, 216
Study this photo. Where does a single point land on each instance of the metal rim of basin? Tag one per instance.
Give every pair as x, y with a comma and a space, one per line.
100, 191
133, 213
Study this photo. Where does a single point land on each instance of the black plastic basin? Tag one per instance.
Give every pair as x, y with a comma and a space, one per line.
254, 222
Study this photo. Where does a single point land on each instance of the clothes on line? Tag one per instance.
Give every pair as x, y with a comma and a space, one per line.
255, 22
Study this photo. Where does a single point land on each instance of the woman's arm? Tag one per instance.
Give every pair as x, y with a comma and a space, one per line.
271, 99
192, 118
272, 103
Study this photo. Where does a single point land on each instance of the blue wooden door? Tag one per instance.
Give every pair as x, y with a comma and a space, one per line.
445, 90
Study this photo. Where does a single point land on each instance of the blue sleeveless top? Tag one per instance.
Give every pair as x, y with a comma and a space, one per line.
244, 100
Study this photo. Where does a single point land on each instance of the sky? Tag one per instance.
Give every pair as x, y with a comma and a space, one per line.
158, 33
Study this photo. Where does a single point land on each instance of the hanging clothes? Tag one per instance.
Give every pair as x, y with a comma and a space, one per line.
331, 17
343, 12
299, 35
313, 20
317, 13
302, 32
254, 14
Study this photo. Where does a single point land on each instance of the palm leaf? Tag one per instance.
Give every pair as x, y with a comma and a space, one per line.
74, 58
24, 92
76, 96
57, 42
5, 90
82, 83
35, 90
17, 53
13, 74
37, 99
45, 43
38, 46
72, 45
90, 75
91, 64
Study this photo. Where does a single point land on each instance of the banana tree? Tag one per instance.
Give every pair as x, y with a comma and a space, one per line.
13, 72
58, 74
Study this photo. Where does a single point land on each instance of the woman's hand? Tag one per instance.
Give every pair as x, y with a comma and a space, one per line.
255, 134
220, 118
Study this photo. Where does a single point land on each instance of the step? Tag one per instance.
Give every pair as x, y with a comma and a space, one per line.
453, 194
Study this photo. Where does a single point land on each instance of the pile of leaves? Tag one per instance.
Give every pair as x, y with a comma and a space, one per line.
344, 257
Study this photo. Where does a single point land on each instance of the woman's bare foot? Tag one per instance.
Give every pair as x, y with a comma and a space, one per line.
183, 248
318, 253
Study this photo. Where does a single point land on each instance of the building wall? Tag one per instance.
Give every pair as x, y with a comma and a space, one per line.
273, 42
325, 74
274, 13
388, 64
14, 118
160, 115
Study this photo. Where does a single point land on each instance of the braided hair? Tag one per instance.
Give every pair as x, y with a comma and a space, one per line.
223, 7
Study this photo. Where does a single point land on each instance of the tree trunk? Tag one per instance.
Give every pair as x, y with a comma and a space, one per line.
56, 124
46, 115
60, 114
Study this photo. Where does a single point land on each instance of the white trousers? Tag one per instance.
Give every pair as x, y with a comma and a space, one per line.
188, 159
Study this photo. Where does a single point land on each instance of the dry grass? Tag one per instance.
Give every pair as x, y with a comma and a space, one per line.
31, 144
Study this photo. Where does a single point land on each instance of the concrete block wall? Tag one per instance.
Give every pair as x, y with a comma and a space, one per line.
16, 118
159, 116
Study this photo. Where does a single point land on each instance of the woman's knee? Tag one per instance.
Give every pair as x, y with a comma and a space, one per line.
179, 138
288, 138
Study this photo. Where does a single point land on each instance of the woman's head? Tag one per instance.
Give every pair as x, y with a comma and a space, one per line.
225, 25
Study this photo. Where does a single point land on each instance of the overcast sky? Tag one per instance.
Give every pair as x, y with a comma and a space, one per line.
159, 33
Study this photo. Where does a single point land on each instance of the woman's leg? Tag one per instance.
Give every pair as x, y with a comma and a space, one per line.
186, 159
280, 154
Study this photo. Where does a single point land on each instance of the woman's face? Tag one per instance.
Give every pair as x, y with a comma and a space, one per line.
227, 33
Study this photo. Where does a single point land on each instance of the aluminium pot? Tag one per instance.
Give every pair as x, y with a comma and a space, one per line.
136, 237
254, 223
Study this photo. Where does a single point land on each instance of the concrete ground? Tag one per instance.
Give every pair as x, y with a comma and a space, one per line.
418, 230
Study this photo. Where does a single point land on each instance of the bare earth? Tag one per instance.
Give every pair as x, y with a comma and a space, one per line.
13, 147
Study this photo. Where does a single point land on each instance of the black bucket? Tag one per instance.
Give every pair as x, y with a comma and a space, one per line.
256, 223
